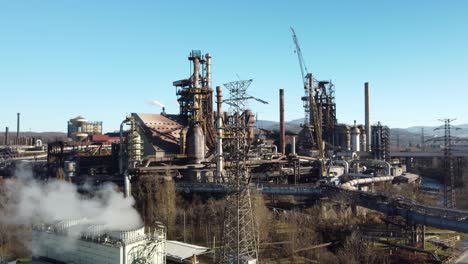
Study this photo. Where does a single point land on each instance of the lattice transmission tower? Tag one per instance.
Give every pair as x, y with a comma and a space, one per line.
239, 236
449, 177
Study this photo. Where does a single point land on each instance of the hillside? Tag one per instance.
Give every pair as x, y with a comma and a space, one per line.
399, 136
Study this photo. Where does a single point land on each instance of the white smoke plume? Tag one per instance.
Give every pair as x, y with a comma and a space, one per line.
155, 103
34, 202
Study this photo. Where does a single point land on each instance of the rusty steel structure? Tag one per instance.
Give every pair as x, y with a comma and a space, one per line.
319, 128
239, 239
325, 100
380, 138
195, 98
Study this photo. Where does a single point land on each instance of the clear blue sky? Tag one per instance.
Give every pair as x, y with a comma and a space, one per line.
104, 59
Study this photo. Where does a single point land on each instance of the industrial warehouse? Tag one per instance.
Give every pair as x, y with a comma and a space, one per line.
206, 181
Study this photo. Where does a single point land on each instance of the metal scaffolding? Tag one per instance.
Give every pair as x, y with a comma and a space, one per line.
380, 142
239, 244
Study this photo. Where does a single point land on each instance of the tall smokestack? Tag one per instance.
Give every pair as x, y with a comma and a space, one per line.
367, 115
7, 140
282, 132
219, 127
18, 128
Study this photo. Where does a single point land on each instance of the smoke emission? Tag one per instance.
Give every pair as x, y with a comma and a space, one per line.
34, 202
155, 103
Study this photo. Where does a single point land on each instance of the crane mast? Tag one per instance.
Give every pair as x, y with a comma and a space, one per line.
304, 71
312, 117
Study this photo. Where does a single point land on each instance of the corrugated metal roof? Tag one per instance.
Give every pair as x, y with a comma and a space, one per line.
178, 251
165, 129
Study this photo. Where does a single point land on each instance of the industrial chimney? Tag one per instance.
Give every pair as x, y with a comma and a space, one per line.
367, 116
282, 131
7, 140
18, 129
219, 128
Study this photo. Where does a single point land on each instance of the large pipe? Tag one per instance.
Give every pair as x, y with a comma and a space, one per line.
351, 185
208, 70
345, 165
18, 128
367, 116
7, 140
196, 84
219, 126
196, 71
282, 131
388, 167
121, 162
293, 145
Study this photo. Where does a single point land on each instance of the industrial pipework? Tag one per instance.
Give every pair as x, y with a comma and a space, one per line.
374, 162
351, 185
208, 70
133, 152
219, 127
195, 134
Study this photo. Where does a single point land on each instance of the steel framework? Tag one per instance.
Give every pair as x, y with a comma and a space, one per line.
449, 178
239, 243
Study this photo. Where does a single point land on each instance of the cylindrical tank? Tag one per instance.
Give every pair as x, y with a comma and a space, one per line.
293, 145
363, 137
195, 143
183, 140
348, 138
355, 142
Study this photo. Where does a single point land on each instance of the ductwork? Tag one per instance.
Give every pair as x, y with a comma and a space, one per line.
344, 163
219, 127
374, 162
351, 185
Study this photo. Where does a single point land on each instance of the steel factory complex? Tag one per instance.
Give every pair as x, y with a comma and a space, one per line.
214, 147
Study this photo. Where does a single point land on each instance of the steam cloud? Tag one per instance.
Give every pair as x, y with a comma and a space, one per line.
155, 103
34, 202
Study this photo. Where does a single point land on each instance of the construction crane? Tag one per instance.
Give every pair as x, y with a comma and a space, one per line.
310, 106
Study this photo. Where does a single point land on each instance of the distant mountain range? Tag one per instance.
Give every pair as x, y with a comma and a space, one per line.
399, 136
